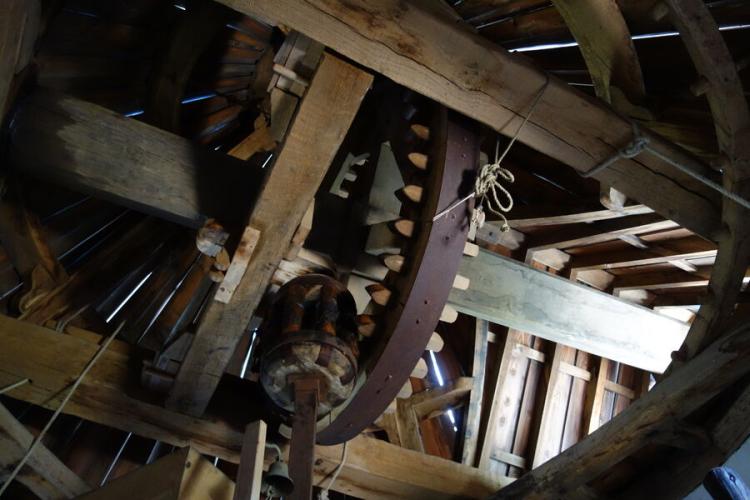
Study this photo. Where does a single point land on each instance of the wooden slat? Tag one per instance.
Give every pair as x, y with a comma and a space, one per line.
478, 373
321, 123
509, 458
691, 247
520, 221
598, 232
425, 51
575, 371
675, 397
91, 149
506, 401
250, 469
50, 479
555, 403
595, 398
105, 396
509, 293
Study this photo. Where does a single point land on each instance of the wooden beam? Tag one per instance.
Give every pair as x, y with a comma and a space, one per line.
668, 279
110, 395
519, 221
510, 293
691, 247
250, 469
731, 115
416, 45
675, 397
44, 474
552, 422
507, 396
94, 150
478, 374
322, 121
585, 234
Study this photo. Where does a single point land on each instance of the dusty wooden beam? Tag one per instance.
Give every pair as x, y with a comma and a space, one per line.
94, 150
665, 280
415, 45
691, 247
478, 374
519, 219
675, 397
510, 293
108, 396
322, 121
44, 474
250, 469
597, 232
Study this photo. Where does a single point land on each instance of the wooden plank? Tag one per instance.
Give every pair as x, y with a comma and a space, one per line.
675, 397
321, 123
414, 44
605, 43
619, 389
250, 469
509, 293
575, 371
50, 478
595, 398
438, 399
509, 458
555, 403
478, 374
71, 142
372, 468
407, 424
579, 217
505, 403
585, 234
691, 247
666, 279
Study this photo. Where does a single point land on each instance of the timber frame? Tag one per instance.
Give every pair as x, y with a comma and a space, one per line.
691, 420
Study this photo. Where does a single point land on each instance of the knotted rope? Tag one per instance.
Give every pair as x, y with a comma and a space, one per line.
487, 184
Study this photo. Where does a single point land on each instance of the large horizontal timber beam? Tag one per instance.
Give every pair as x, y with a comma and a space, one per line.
110, 395
513, 294
423, 49
92, 149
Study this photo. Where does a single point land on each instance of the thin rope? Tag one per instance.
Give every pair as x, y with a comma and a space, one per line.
487, 179
323, 495
14, 385
65, 400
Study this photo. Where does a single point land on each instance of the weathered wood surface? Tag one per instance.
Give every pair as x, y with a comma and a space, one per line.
182, 475
729, 108
597, 232
413, 44
478, 375
109, 395
94, 150
509, 293
44, 473
672, 399
604, 39
322, 121
250, 470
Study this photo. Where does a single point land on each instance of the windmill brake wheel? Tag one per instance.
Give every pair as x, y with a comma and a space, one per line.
443, 153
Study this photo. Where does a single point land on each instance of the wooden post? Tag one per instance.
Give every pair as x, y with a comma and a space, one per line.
322, 121
478, 369
250, 470
302, 451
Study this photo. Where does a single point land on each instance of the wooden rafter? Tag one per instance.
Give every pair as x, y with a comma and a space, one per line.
478, 374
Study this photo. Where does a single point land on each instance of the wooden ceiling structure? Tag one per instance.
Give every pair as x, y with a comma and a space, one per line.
600, 345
